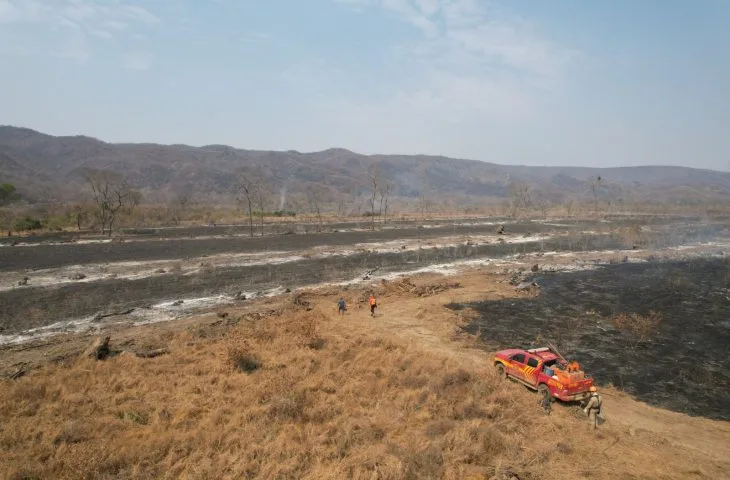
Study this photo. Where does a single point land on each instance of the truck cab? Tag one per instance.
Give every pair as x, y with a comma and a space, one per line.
544, 370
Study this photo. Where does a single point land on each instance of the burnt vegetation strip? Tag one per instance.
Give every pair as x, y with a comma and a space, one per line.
40, 256
659, 330
30, 307
53, 256
34, 307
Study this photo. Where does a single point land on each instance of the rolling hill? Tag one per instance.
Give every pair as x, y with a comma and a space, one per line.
49, 168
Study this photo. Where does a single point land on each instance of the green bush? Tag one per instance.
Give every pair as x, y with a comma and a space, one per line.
28, 223
276, 213
284, 213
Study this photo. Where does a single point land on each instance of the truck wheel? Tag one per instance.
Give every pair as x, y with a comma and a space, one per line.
501, 371
543, 390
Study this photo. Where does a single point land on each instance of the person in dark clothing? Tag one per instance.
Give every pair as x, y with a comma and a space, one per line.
341, 306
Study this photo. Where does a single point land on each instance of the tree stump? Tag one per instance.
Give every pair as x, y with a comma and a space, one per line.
98, 350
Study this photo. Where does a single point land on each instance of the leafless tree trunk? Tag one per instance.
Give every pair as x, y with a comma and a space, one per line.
80, 213
381, 194
385, 192
374, 174
423, 202
595, 184
422, 206
262, 193
341, 208
182, 201
314, 195
521, 197
112, 195
245, 194
569, 207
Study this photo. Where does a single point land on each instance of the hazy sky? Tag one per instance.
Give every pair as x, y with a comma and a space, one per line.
573, 82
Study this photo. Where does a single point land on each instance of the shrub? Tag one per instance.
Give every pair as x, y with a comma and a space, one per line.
28, 223
317, 343
640, 327
140, 418
72, 432
289, 406
458, 377
283, 213
240, 359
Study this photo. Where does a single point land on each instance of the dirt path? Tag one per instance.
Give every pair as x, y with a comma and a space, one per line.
425, 322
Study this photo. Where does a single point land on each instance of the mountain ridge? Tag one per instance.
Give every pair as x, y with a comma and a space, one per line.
47, 167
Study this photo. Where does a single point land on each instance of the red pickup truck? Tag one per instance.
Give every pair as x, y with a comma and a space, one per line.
544, 370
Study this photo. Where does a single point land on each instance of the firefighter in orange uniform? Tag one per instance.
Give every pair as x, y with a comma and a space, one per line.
373, 304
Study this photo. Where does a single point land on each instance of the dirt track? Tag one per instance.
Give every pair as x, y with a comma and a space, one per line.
424, 322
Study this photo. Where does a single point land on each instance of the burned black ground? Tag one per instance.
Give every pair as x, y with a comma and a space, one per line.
163, 244
29, 306
683, 367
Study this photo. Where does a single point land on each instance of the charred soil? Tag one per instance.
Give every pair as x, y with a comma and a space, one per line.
29, 306
680, 363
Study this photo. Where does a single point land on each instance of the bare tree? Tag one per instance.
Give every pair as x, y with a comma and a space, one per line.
112, 195
385, 192
569, 207
179, 204
521, 197
542, 203
596, 182
184, 198
246, 193
341, 206
315, 197
381, 195
79, 213
374, 175
423, 200
261, 195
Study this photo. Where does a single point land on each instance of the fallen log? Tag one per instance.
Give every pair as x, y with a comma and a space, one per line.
100, 316
152, 353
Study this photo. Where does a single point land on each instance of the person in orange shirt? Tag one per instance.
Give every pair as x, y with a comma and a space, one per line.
373, 304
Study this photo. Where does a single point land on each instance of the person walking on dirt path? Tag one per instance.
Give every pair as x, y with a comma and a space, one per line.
341, 307
593, 407
373, 304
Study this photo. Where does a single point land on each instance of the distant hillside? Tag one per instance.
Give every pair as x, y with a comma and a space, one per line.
46, 168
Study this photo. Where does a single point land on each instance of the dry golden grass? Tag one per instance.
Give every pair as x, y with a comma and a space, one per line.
297, 395
312, 407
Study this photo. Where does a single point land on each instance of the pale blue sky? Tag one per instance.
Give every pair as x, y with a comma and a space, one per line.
540, 82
